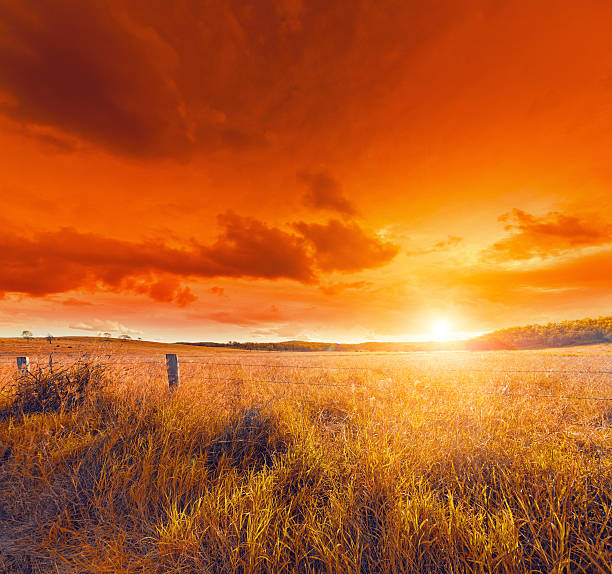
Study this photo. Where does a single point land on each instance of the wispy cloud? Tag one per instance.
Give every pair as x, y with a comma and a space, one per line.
103, 325
548, 235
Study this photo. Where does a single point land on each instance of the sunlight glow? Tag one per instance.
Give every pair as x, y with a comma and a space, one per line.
441, 330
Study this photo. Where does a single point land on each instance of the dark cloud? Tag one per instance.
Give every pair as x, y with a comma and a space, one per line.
64, 260
170, 290
92, 72
548, 235
345, 246
55, 262
324, 192
152, 78
250, 248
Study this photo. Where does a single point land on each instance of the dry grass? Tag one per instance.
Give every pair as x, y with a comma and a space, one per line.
396, 470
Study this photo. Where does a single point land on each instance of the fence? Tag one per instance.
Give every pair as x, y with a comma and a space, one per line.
172, 367
596, 416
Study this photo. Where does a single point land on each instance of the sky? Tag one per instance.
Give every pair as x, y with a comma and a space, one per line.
322, 170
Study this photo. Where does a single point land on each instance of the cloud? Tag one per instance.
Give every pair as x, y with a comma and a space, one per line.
449, 243
73, 302
104, 325
243, 317
340, 286
345, 246
168, 79
560, 268
452, 241
170, 290
161, 81
289, 331
548, 235
92, 72
59, 261
560, 280
248, 247
324, 192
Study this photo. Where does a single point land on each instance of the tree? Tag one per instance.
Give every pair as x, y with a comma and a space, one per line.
27, 335
107, 335
50, 338
125, 337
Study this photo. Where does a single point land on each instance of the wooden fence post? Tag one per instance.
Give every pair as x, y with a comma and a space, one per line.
51, 362
23, 365
173, 370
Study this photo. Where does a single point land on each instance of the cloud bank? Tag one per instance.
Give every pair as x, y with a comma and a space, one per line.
60, 261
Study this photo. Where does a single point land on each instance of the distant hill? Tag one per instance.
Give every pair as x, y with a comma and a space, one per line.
316, 346
562, 334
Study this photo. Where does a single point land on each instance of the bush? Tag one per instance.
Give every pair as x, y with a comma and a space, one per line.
249, 440
44, 391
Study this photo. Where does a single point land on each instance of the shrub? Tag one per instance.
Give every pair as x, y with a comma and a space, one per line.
44, 391
249, 440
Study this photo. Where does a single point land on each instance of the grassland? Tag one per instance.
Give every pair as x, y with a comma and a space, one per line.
440, 462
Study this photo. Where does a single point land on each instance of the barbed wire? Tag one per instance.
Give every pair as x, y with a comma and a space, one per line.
428, 388
411, 368
416, 368
400, 368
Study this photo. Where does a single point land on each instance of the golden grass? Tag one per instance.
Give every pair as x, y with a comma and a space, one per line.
435, 468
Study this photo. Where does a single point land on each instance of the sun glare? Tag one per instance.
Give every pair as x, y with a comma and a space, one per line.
441, 330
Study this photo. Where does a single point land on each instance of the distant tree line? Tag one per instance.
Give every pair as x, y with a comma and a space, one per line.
562, 334
320, 347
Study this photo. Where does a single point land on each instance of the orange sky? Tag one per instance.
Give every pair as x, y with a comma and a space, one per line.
205, 170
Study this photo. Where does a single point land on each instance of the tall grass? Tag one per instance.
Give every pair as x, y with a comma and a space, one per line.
393, 472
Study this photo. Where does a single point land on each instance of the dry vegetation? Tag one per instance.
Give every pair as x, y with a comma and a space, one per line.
419, 463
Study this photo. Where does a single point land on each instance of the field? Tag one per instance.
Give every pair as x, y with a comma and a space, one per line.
313, 462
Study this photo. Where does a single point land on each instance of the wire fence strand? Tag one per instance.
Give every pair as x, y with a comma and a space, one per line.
403, 368
429, 387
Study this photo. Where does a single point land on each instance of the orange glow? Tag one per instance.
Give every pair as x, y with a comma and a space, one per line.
218, 171
441, 330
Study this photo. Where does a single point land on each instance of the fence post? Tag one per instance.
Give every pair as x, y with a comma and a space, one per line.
23, 364
51, 362
173, 370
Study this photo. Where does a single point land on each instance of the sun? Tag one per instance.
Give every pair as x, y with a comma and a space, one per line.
441, 330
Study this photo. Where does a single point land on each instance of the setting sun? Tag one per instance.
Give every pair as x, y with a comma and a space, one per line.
441, 330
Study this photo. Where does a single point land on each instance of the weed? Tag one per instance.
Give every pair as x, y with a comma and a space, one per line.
44, 391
